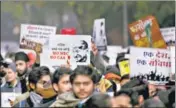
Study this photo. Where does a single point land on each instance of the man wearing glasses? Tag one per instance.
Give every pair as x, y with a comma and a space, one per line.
41, 93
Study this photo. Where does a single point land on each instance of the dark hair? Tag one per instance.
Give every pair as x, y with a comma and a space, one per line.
59, 73
98, 101
133, 95
37, 73
85, 43
120, 57
84, 70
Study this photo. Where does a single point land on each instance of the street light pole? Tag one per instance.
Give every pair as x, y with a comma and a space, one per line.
125, 24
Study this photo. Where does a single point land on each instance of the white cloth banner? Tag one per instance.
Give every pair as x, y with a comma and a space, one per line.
152, 65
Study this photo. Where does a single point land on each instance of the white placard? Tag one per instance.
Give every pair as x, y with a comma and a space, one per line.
99, 34
152, 65
5, 96
65, 49
168, 34
37, 33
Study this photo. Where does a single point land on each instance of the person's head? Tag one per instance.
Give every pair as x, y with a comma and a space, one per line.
98, 101
11, 74
83, 80
40, 82
80, 52
21, 60
122, 99
61, 80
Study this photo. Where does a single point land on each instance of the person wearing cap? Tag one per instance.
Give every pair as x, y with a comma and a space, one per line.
12, 84
22, 63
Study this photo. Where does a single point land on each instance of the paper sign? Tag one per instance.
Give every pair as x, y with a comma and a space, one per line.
124, 67
65, 49
146, 33
99, 34
168, 35
37, 33
150, 64
5, 96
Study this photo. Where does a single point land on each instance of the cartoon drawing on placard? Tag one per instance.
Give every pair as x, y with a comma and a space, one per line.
80, 52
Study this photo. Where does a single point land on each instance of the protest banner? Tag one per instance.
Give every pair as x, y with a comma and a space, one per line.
146, 33
37, 34
149, 64
65, 49
99, 34
6, 97
124, 67
168, 35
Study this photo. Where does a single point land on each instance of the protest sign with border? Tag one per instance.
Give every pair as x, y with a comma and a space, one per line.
66, 49
99, 34
152, 65
146, 33
36, 33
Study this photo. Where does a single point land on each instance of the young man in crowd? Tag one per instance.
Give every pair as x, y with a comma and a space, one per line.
41, 91
12, 84
21, 61
83, 80
61, 80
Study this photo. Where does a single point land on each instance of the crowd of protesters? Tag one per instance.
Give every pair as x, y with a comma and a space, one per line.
92, 86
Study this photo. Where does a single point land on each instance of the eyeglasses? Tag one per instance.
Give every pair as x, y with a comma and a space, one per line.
46, 84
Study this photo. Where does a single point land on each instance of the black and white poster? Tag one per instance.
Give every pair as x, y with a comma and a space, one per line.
99, 34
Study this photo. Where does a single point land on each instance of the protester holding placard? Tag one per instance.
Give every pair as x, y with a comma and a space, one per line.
12, 85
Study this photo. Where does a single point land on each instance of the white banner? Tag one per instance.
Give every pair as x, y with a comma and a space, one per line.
150, 64
65, 49
37, 33
168, 35
99, 34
